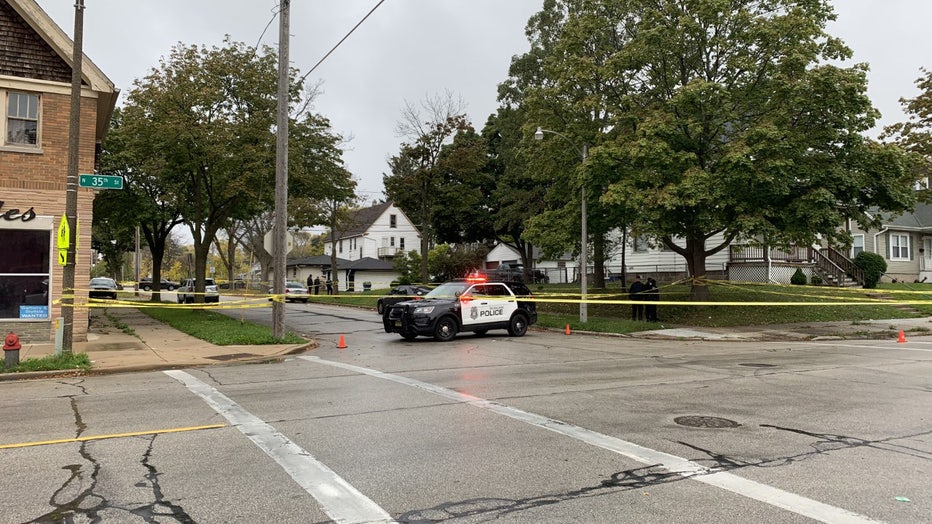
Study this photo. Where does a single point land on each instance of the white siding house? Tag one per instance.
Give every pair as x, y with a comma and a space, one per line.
368, 245
381, 232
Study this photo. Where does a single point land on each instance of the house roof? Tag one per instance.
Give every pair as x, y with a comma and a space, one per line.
919, 218
362, 219
317, 261
366, 264
63, 46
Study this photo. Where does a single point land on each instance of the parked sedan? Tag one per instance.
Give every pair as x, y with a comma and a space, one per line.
400, 294
103, 287
294, 292
145, 284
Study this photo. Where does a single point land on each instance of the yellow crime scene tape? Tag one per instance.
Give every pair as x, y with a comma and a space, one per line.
818, 295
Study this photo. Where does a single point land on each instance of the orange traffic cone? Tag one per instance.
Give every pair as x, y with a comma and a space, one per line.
567, 329
902, 338
342, 344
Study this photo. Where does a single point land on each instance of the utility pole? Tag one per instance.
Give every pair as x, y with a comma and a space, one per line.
71, 193
281, 174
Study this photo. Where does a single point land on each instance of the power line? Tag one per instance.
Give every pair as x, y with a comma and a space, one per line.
342, 39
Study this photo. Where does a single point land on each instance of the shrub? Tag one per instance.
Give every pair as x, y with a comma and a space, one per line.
873, 266
798, 278
816, 280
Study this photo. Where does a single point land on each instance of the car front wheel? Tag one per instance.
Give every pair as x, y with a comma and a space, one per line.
446, 329
517, 327
380, 307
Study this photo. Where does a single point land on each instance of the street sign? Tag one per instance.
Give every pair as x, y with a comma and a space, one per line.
100, 181
267, 242
63, 257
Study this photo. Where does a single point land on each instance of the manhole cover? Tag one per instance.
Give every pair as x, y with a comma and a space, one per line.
755, 365
698, 421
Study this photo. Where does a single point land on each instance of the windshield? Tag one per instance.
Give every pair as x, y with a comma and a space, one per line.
448, 290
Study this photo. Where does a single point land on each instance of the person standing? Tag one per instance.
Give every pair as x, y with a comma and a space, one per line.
329, 286
316, 285
651, 296
634, 293
310, 282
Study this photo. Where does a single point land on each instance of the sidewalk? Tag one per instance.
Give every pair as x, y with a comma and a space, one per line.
151, 346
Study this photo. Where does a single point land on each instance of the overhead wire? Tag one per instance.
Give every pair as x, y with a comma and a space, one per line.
343, 39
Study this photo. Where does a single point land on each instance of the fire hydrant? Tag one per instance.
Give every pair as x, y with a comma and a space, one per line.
11, 347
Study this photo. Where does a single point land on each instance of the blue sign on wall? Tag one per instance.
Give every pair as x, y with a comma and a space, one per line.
33, 312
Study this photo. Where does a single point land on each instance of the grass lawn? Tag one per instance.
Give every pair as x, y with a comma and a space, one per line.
50, 363
730, 304
217, 328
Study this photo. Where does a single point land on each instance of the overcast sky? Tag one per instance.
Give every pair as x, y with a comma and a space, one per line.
408, 50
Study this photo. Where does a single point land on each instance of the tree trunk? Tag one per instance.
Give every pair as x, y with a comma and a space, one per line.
695, 263
598, 261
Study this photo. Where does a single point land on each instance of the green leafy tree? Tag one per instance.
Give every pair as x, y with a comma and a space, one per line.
146, 199
449, 261
518, 195
203, 122
408, 265
915, 135
414, 184
561, 85
723, 118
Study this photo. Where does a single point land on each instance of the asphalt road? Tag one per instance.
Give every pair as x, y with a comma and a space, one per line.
543, 428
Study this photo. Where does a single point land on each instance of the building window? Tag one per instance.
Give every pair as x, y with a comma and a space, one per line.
24, 279
899, 247
640, 244
393, 221
857, 245
391, 242
340, 250
401, 243
22, 119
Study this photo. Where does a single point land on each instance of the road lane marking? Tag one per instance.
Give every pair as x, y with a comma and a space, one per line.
858, 346
338, 499
115, 435
688, 469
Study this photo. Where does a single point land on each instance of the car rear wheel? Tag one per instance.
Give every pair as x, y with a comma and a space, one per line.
147, 287
517, 327
409, 335
380, 307
446, 329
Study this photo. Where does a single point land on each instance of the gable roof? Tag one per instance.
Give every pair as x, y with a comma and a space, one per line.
317, 261
367, 264
919, 219
63, 46
362, 219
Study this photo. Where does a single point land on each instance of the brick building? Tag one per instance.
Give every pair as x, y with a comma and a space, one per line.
35, 104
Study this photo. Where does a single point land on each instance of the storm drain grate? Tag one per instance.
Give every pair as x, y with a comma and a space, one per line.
232, 356
699, 421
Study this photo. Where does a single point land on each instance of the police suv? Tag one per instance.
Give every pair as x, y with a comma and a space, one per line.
463, 305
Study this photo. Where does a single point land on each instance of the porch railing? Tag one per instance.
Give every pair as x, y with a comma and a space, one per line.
828, 261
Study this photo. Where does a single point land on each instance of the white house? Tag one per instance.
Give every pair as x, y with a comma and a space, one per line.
381, 232
374, 237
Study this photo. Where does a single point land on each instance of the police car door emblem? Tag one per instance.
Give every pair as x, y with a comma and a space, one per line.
474, 313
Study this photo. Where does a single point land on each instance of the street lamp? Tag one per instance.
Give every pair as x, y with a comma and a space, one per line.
583, 246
